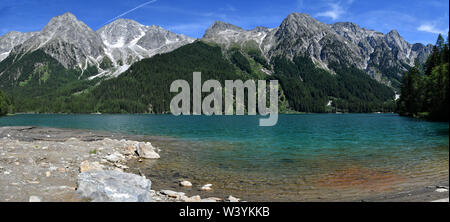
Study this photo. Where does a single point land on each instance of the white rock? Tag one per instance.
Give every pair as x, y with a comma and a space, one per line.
441, 190
191, 199
211, 199
206, 187
185, 183
233, 199
146, 150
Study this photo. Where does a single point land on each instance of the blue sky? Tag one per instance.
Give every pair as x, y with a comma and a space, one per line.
416, 20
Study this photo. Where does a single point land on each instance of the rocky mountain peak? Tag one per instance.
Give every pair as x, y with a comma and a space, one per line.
121, 32
393, 33
301, 19
218, 27
66, 39
12, 39
302, 24
127, 41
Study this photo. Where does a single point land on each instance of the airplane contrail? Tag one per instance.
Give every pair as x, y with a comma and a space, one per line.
131, 10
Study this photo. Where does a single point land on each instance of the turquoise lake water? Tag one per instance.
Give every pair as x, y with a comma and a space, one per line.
301, 157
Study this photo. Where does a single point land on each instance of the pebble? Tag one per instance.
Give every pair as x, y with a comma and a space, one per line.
196, 198
211, 199
172, 194
206, 187
185, 183
233, 199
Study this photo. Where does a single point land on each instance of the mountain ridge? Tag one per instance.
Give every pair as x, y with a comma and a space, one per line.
68, 67
300, 34
117, 45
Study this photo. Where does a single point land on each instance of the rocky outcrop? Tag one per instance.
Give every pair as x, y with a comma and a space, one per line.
114, 186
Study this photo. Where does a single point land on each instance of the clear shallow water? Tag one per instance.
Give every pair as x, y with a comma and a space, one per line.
303, 157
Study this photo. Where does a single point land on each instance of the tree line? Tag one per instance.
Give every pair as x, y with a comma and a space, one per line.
425, 88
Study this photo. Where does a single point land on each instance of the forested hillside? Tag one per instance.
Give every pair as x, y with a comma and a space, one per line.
46, 87
5, 104
309, 88
425, 90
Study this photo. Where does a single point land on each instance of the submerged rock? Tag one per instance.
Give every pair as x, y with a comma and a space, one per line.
114, 186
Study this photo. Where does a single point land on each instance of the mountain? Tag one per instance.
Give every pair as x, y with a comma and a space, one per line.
126, 41
384, 57
107, 52
71, 42
128, 67
12, 39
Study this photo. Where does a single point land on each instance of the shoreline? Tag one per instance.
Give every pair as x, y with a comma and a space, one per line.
51, 163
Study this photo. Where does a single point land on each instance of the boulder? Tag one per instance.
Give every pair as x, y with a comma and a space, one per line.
146, 150
114, 186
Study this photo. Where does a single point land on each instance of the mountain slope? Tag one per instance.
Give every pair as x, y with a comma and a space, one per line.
304, 88
126, 41
71, 42
128, 67
384, 57
66, 58
12, 39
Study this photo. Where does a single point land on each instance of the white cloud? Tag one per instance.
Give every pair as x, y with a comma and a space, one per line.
431, 29
334, 13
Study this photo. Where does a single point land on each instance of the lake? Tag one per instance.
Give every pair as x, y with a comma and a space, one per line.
304, 157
